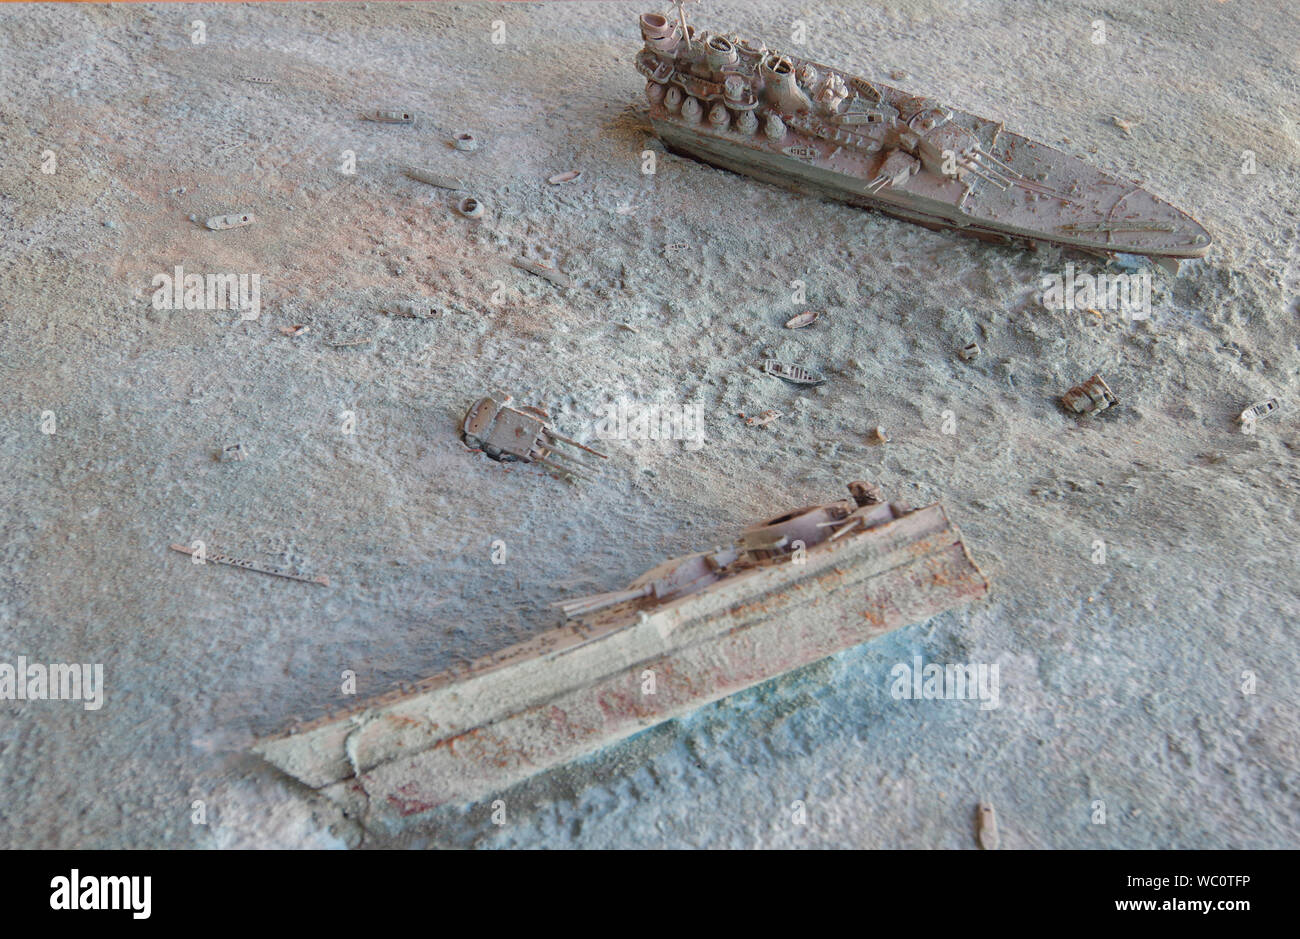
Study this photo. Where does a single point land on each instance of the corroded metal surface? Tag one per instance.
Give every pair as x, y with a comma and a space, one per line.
792, 590
807, 126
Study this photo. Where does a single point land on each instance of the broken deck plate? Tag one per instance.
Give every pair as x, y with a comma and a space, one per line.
790, 591
390, 117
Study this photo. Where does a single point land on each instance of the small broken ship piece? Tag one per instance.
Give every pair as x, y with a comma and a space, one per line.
1256, 411
789, 591
390, 116
544, 271
795, 374
1090, 397
806, 318
223, 222
522, 435
432, 178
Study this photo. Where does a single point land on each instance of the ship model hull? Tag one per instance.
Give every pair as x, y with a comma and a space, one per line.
632, 659
812, 128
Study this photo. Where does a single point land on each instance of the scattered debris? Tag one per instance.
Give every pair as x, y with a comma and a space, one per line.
257, 80
522, 435
253, 566
567, 177
223, 222
297, 329
785, 593
1256, 411
763, 418
986, 826
470, 207
878, 435
897, 74
969, 351
795, 374
434, 179
675, 246
464, 141
629, 327
556, 277
350, 342
234, 453
390, 117
806, 318
1123, 125
412, 309
1092, 396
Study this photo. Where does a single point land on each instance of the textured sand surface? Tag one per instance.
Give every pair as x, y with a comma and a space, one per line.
1121, 683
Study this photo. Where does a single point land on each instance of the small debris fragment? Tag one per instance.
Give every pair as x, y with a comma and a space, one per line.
464, 141
674, 246
1256, 411
898, 74
434, 179
865, 493
1123, 125
253, 566
413, 309
969, 351
522, 435
986, 826
470, 207
390, 117
234, 453
297, 329
629, 327
806, 318
567, 177
223, 222
257, 80
763, 419
558, 278
1090, 397
878, 435
795, 374
341, 344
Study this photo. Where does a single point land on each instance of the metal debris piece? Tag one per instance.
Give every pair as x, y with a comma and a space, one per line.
522, 435
1123, 125
470, 207
969, 351
806, 318
253, 566
234, 453
434, 179
878, 434
350, 342
1256, 411
464, 141
390, 117
223, 222
788, 592
566, 177
558, 278
297, 329
1090, 397
763, 418
986, 826
795, 374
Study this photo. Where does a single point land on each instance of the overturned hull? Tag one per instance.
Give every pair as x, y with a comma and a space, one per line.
812, 128
691, 631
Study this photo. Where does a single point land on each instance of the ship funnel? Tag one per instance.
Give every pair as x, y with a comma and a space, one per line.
660, 35
780, 87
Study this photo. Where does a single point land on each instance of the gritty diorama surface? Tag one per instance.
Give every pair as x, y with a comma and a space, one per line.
1143, 559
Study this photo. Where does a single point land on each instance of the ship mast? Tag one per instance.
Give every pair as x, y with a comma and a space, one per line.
681, 18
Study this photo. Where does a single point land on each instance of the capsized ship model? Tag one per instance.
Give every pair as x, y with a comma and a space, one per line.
806, 126
694, 629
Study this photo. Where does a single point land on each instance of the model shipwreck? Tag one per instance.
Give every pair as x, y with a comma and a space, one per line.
791, 591
806, 126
